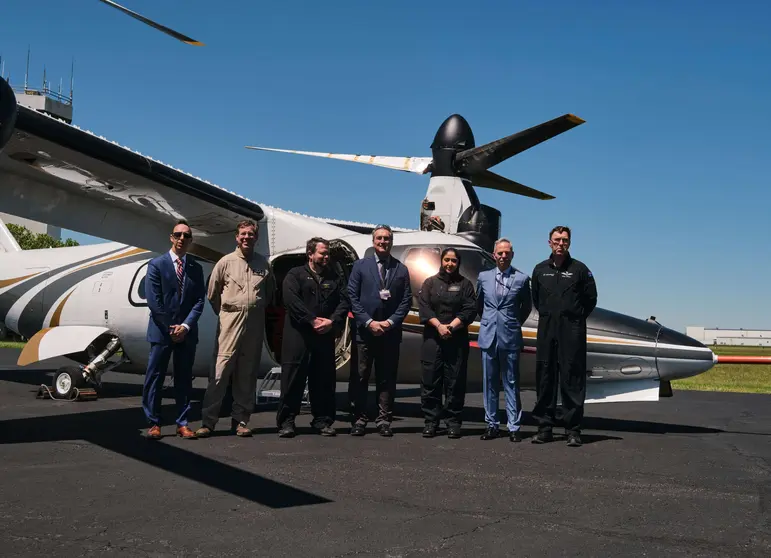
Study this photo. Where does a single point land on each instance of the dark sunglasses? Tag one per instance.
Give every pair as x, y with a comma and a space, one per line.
181, 234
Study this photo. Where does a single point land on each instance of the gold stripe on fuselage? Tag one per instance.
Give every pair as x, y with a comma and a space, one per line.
413, 319
111, 258
14, 280
58, 312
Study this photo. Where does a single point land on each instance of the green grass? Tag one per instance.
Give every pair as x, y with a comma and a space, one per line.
740, 378
11, 345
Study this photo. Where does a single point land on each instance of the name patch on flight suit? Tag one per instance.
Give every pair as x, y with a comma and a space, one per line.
454, 288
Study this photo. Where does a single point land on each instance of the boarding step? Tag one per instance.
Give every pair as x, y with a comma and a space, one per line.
269, 388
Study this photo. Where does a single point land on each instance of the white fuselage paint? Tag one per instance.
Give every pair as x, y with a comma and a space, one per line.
450, 200
109, 298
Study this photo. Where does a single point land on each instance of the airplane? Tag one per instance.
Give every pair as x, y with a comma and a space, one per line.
87, 303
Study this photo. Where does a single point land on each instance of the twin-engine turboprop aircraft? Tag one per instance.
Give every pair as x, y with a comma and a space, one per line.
87, 303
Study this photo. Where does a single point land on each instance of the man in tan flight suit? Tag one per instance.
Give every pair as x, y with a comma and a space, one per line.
241, 285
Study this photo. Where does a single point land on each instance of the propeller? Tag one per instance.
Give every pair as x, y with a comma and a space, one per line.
455, 154
179, 36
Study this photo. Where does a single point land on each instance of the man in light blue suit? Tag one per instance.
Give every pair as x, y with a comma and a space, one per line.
504, 301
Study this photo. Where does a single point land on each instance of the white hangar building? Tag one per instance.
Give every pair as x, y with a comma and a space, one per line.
717, 336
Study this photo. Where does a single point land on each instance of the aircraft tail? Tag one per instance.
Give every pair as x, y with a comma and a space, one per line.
7, 241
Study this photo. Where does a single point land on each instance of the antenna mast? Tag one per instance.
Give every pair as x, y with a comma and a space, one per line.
43, 99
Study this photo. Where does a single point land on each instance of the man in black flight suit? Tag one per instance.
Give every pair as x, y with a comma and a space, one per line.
564, 293
317, 305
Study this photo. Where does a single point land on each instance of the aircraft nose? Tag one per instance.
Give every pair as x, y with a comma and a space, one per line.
680, 356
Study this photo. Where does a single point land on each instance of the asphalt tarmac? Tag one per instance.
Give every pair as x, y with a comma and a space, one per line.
687, 476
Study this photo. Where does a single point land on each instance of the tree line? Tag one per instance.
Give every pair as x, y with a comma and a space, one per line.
34, 241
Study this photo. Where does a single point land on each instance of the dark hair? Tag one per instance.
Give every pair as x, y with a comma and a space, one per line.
442, 272
310, 246
444, 253
384, 227
181, 222
560, 229
246, 223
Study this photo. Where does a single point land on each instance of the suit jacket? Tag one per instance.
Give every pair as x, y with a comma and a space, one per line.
364, 293
503, 316
167, 308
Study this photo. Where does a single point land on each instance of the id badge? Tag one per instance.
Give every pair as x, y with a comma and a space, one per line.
385, 294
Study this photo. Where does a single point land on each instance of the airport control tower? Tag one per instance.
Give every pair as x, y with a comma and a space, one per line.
51, 102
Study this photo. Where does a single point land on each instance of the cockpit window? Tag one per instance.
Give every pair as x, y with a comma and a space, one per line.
422, 262
473, 262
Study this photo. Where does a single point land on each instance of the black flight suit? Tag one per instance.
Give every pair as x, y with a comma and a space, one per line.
306, 354
564, 298
445, 297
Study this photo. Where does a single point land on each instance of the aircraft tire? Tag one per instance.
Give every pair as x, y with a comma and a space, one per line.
66, 380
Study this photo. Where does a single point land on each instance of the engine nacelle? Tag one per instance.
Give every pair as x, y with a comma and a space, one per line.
481, 225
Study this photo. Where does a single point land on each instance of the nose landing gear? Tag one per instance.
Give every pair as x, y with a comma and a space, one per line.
80, 383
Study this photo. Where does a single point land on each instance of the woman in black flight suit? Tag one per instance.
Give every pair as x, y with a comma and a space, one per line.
447, 304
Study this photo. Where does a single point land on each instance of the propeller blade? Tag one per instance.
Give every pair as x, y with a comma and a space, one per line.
475, 160
151, 23
487, 179
418, 165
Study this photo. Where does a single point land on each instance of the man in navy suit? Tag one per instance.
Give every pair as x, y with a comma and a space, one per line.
504, 300
380, 294
175, 290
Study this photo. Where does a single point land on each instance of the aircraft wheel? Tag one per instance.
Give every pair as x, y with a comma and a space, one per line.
66, 380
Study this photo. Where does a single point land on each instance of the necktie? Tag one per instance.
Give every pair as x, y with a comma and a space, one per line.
383, 270
180, 276
499, 284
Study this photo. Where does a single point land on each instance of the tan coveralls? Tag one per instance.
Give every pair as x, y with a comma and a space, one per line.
239, 290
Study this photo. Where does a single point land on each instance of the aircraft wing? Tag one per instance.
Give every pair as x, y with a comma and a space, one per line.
59, 174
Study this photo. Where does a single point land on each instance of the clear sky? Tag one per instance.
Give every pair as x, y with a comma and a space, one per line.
666, 186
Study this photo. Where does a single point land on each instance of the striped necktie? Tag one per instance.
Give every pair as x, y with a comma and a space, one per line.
180, 276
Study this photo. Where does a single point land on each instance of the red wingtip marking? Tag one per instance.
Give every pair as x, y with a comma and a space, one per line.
730, 359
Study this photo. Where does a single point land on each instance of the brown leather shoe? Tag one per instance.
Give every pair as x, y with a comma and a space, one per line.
185, 432
154, 433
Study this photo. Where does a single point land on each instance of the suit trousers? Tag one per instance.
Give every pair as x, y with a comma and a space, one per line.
160, 354
383, 353
501, 365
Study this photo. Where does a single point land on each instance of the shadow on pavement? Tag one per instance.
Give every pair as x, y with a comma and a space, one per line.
117, 431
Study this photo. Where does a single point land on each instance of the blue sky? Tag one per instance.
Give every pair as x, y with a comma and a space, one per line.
666, 185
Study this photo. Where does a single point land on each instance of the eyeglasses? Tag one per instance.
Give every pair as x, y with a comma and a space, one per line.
560, 241
181, 234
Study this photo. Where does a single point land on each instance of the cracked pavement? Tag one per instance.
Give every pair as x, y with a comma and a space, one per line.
689, 475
